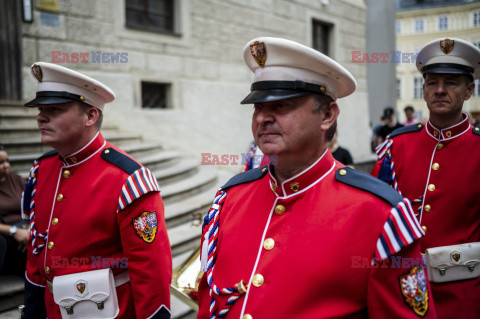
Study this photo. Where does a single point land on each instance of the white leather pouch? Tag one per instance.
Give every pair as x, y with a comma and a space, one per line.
452, 263
90, 294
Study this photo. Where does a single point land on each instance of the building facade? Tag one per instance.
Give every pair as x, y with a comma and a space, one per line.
419, 22
177, 66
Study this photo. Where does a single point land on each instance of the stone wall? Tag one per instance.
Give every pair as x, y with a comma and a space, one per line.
203, 63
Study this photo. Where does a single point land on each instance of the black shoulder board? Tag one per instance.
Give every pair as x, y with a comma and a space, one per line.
246, 177
476, 130
120, 160
368, 183
407, 129
47, 154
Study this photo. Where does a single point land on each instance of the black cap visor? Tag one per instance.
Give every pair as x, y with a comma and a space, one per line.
51, 97
270, 91
447, 68
264, 96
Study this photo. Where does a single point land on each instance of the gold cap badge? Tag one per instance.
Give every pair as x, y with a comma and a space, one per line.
37, 72
447, 45
259, 52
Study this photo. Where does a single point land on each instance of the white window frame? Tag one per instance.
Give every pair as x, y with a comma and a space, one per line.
476, 90
398, 27
418, 87
439, 23
399, 89
475, 19
416, 23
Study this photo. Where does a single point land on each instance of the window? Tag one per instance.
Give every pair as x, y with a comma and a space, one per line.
399, 89
442, 23
152, 15
398, 27
476, 19
155, 95
476, 90
321, 36
419, 25
418, 88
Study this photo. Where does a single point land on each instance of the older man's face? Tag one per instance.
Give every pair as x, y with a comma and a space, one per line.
287, 127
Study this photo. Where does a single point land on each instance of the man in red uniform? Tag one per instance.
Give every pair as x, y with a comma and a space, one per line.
91, 207
305, 236
436, 166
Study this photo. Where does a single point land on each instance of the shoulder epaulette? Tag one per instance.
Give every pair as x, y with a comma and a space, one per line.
368, 183
246, 177
47, 154
120, 160
406, 129
476, 130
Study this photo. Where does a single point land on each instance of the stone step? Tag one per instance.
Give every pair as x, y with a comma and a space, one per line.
18, 118
184, 237
11, 292
7, 106
21, 163
182, 169
13, 132
34, 145
204, 179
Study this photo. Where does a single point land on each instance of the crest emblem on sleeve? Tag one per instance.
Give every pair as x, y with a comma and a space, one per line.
259, 52
414, 288
447, 45
145, 226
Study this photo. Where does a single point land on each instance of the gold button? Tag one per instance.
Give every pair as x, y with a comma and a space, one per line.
268, 244
477, 129
74, 160
431, 187
247, 316
323, 89
50, 245
66, 174
419, 125
342, 172
435, 133
82, 98
257, 280
47, 270
55, 221
389, 152
439, 146
107, 151
449, 133
280, 210
60, 197
294, 187
435, 166
263, 170
424, 228
427, 208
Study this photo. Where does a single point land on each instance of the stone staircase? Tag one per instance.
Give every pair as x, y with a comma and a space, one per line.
187, 188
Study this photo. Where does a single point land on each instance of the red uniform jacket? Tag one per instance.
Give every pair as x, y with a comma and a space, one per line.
440, 171
87, 213
304, 249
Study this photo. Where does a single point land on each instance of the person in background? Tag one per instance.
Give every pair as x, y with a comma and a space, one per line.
97, 218
391, 124
300, 238
437, 167
410, 118
341, 154
13, 235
